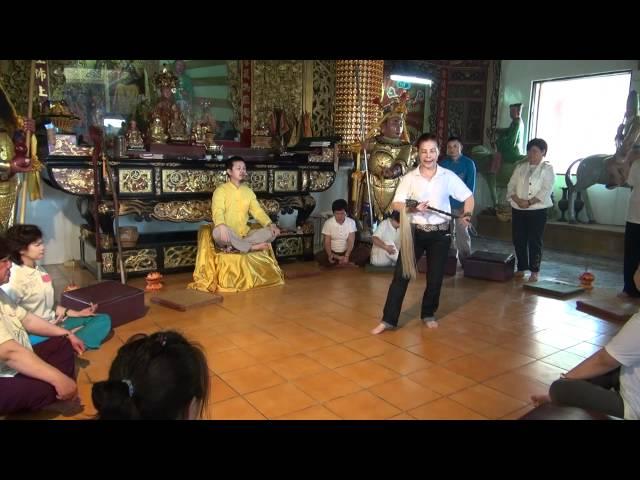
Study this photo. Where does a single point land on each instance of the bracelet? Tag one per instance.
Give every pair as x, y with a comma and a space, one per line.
64, 314
467, 214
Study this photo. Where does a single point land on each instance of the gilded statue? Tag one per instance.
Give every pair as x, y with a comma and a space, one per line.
197, 135
165, 82
390, 155
133, 137
12, 157
177, 126
156, 130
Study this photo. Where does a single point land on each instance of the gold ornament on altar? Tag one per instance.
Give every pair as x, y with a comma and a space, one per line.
133, 137
165, 79
156, 131
177, 126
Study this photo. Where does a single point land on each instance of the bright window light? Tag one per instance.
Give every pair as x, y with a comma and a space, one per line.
410, 79
578, 117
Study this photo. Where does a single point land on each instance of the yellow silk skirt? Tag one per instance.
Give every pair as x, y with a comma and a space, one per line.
232, 272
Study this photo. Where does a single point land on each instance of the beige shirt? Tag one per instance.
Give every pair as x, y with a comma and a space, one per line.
11, 328
530, 181
436, 190
32, 289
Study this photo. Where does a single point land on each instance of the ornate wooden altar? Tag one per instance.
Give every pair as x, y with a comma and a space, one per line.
180, 190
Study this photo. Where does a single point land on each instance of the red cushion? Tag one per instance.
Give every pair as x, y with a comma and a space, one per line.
122, 302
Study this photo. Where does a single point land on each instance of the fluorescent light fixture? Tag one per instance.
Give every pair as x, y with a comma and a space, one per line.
410, 79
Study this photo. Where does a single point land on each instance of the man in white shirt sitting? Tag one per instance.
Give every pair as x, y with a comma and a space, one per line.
609, 380
339, 238
386, 242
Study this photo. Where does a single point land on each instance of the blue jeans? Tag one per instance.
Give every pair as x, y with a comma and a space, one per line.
94, 329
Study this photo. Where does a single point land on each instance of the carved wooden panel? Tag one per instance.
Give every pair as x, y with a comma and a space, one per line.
324, 88
276, 84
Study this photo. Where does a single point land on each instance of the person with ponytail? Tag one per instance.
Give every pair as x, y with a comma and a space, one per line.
156, 377
424, 230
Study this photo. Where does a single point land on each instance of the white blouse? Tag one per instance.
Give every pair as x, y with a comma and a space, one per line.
530, 181
32, 289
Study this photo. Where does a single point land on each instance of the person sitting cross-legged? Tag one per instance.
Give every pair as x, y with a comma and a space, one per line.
242, 258
339, 238
231, 205
386, 242
609, 380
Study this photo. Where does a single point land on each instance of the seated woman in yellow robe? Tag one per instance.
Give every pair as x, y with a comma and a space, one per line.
252, 263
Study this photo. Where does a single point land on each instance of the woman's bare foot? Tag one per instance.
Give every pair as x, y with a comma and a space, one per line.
533, 277
379, 329
540, 399
432, 324
519, 274
260, 246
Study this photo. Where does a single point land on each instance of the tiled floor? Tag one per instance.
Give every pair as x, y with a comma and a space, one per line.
303, 350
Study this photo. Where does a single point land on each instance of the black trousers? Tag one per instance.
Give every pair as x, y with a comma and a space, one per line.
527, 229
631, 257
601, 394
436, 244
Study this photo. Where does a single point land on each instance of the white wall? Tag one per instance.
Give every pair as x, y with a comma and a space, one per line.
516, 81
59, 219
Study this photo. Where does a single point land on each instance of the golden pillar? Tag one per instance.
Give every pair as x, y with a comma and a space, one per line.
359, 86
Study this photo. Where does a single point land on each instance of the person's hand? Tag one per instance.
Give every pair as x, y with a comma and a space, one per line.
332, 258
466, 221
422, 206
29, 125
89, 311
275, 230
77, 344
343, 260
66, 388
390, 249
224, 234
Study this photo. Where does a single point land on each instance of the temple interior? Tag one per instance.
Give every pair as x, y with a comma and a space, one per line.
125, 156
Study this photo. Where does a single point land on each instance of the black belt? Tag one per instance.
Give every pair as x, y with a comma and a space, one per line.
440, 227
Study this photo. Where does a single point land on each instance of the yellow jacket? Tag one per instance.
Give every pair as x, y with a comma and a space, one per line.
232, 205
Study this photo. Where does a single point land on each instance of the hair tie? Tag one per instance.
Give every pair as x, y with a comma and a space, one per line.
129, 385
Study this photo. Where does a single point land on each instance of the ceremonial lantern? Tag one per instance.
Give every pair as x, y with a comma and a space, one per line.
358, 87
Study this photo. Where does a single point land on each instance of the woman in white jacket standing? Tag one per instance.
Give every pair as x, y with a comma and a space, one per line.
529, 192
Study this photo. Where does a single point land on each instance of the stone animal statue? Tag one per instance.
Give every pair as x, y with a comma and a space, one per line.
608, 170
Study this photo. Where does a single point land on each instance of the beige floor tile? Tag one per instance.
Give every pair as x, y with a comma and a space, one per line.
404, 393
250, 379
295, 366
279, 400
444, 409
326, 385
441, 380
362, 405
233, 409
487, 401
367, 373
335, 356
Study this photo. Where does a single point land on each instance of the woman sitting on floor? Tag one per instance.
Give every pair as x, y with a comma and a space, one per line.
31, 288
32, 379
157, 377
